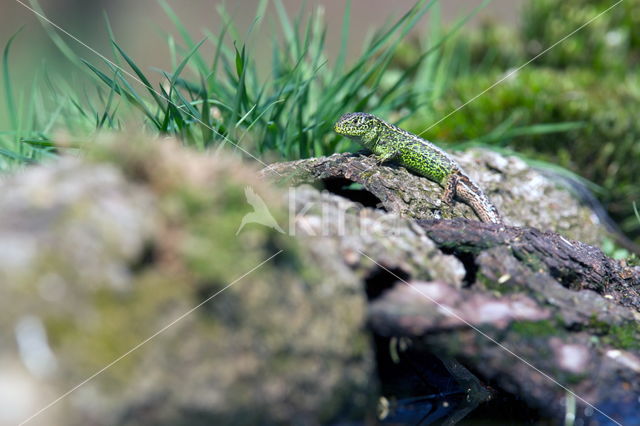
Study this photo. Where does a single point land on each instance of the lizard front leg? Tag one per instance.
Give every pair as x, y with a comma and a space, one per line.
382, 151
386, 156
450, 189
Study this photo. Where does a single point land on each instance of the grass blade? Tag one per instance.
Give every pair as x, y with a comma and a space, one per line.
139, 73
344, 39
184, 33
8, 87
192, 53
287, 29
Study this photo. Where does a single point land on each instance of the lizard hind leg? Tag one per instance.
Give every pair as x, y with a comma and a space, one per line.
450, 189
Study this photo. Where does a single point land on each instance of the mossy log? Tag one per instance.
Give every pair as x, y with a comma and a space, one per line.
575, 265
538, 312
524, 196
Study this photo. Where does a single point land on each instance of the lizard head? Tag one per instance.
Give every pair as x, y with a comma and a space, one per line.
357, 125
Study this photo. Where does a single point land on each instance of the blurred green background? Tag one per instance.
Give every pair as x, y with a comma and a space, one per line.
140, 25
271, 77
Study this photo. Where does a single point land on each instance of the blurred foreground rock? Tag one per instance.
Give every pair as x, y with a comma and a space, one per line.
98, 255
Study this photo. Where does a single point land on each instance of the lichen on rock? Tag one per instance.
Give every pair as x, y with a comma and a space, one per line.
117, 253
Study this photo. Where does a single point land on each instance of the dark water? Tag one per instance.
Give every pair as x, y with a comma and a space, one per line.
419, 388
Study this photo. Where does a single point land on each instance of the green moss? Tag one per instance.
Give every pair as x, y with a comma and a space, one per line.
506, 287
625, 336
537, 328
487, 49
571, 378
112, 323
211, 248
610, 42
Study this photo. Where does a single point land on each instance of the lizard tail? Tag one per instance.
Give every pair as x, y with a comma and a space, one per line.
468, 191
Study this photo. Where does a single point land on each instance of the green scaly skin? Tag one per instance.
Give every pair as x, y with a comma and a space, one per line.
389, 142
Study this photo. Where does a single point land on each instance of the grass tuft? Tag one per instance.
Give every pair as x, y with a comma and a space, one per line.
226, 99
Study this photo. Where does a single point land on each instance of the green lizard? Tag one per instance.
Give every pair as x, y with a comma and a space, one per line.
389, 142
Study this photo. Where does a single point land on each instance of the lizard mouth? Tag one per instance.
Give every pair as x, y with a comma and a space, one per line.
342, 131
